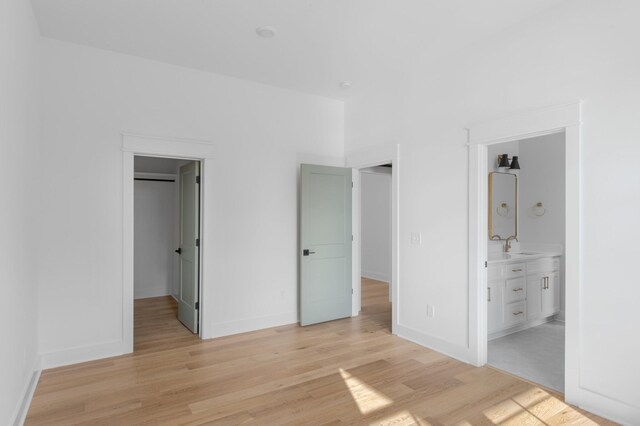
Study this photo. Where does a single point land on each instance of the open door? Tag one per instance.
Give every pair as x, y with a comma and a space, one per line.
325, 237
189, 291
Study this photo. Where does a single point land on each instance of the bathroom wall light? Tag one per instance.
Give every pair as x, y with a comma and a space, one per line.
503, 162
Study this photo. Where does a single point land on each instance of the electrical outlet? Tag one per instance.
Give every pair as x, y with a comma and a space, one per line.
431, 311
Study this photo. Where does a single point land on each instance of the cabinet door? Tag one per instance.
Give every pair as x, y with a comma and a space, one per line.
535, 283
550, 294
495, 306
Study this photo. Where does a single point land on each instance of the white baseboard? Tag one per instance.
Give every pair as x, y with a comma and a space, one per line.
461, 353
376, 276
27, 395
251, 324
82, 354
608, 408
144, 293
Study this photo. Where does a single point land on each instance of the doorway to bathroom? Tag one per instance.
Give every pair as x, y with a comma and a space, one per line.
525, 248
560, 119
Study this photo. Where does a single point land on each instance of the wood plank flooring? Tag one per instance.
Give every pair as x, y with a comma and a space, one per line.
351, 371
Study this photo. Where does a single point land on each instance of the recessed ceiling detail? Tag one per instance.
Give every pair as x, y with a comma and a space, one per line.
266, 32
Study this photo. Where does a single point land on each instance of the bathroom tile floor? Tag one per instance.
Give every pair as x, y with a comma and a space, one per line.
535, 354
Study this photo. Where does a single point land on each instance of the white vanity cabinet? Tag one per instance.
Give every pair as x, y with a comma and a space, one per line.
521, 294
544, 291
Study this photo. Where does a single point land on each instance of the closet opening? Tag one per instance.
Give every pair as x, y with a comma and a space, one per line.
166, 251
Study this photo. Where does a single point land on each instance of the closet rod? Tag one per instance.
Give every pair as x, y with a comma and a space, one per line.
155, 180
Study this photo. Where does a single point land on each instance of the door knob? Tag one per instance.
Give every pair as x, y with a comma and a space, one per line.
179, 250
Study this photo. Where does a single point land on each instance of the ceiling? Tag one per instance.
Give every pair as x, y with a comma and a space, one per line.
318, 44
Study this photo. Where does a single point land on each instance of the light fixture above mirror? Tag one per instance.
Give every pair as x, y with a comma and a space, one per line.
504, 162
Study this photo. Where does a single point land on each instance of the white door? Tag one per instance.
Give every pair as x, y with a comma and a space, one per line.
325, 239
189, 249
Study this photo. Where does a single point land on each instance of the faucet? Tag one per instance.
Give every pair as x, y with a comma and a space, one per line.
507, 243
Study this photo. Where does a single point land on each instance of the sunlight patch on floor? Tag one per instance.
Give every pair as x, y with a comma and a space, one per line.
367, 398
533, 407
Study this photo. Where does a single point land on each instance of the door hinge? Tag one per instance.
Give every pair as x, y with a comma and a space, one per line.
197, 305
351, 291
351, 237
486, 264
351, 184
197, 242
197, 179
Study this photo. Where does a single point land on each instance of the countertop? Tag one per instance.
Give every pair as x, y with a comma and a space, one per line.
494, 258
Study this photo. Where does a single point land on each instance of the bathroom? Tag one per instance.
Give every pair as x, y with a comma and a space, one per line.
525, 268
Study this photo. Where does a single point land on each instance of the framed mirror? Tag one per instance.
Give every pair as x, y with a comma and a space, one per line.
503, 206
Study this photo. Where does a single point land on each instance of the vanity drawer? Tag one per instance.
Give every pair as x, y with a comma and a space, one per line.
515, 290
546, 264
515, 313
515, 270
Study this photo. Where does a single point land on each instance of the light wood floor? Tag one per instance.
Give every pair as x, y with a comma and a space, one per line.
351, 371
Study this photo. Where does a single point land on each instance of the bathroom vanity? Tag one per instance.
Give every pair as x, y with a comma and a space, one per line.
523, 290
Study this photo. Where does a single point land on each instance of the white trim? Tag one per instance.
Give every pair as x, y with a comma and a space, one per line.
253, 324
450, 349
21, 411
356, 253
530, 123
144, 293
521, 327
155, 146
360, 159
385, 278
83, 354
609, 408
516, 127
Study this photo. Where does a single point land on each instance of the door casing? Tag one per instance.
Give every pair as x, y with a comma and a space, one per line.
187, 149
561, 118
362, 159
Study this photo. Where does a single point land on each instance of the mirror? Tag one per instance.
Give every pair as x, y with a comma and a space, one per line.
503, 206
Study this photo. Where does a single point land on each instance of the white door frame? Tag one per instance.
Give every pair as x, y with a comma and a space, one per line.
563, 118
361, 159
153, 146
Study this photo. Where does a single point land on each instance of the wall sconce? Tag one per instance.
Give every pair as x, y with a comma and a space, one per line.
503, 162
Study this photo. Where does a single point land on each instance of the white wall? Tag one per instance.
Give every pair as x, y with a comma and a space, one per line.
376, 224
90, 97
20, 131
580, 51
542, 177
154, 223
510, 148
